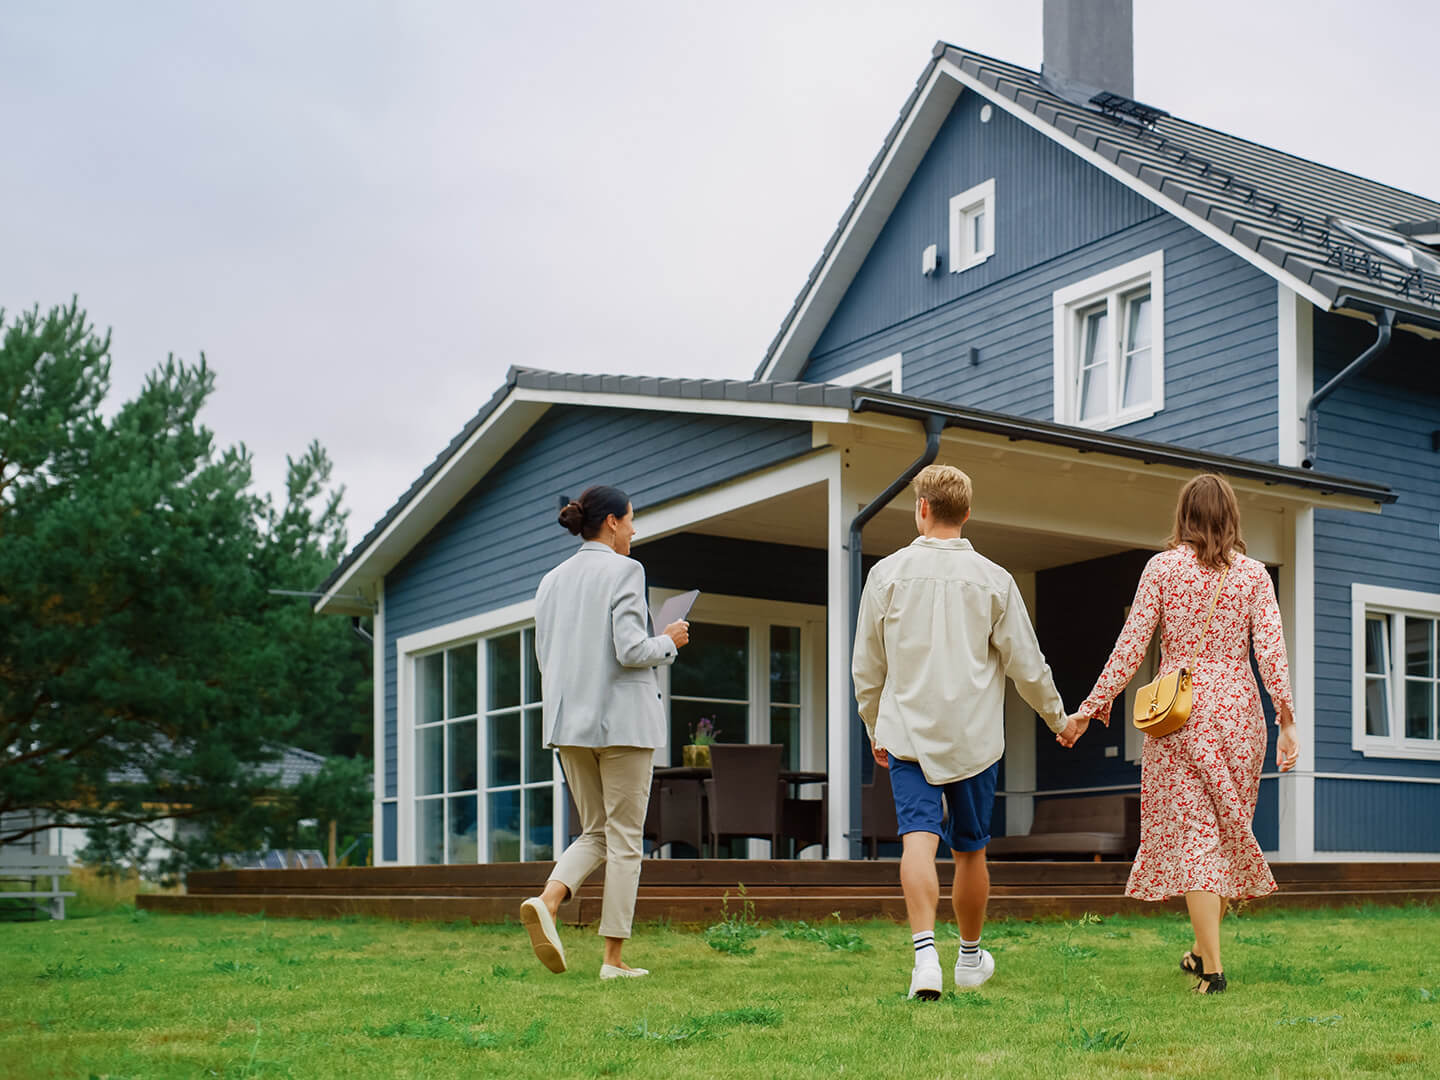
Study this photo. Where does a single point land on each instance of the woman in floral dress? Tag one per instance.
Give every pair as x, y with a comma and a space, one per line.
1198, 784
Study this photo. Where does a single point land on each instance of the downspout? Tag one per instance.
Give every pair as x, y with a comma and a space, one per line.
1385, 324
934, 425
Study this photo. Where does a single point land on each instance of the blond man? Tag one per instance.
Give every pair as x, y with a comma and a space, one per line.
940, 628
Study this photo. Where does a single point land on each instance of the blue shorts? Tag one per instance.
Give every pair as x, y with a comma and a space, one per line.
971, 802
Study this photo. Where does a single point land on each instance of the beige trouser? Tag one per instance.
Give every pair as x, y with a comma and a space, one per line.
611, 786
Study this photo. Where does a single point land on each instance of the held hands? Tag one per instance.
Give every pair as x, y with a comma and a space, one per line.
1075, 726
679, 633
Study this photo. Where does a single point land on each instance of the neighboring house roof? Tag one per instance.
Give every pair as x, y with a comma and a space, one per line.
292, 766
800, 401
1274, 209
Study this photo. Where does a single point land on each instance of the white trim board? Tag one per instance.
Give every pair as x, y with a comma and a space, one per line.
511, 617
870, 374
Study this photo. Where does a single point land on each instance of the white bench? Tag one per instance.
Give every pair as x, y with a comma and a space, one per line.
33, 869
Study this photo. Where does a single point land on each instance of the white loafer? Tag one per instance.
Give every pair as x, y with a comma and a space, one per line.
968, 976
535, 917
610, 971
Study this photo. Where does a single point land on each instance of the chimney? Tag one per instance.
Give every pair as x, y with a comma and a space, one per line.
1089, 47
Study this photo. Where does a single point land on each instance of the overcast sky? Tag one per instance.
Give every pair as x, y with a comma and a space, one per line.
363, 213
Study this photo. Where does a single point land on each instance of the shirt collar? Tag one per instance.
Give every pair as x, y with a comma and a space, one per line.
955, 543
596, 545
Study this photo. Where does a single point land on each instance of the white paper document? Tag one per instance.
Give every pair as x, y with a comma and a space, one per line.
673, 610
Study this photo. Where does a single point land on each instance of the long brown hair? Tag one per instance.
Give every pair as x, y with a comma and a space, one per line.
1207, 517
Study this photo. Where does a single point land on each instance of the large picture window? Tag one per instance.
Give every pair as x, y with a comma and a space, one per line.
484, 784
1396, 672
1109, 352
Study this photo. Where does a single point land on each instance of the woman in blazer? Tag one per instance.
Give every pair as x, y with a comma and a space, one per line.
1199, 783
604, 714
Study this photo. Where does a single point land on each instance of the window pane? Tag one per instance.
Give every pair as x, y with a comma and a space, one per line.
716, 663
461, 841
462, 756
430, 831
502, 672
539, 823
1137, 322
785, 665
732, 723
539, 762
1377, 707
1137, 379
1377, 640
1419, 646
504, 750
462, 681
785, 730
977, 231
504, 808
430, 761
429, 688
1095, 370
532, 668
1419, 709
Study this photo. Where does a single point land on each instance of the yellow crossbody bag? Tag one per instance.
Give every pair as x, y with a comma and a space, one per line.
1163, 706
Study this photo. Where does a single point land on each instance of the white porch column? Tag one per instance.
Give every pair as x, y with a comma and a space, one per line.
1020, 724
1297, 609
839, 510
377, 667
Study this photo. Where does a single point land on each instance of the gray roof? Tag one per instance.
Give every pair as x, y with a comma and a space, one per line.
292, 766
861, 400
1276, 204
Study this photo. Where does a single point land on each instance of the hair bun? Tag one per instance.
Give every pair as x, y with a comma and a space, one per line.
572, 517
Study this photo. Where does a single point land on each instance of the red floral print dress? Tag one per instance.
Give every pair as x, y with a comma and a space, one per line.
1198, 785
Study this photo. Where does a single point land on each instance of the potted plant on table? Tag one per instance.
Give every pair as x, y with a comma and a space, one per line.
702, 734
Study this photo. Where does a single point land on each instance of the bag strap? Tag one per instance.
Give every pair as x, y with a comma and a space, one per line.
1213, 600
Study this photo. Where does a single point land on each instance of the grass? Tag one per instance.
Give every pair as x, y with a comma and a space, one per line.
128, 994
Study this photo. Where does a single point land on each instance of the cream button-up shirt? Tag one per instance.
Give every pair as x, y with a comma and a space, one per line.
940, 629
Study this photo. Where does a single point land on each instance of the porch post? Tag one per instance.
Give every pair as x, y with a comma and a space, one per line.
1297, 788
837, 662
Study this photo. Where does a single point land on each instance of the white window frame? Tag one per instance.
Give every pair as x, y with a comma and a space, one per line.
1380, 600
1111, 288
881, 375
964, 254
409, 649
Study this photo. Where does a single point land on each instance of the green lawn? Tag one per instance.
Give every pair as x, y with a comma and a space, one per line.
126, 994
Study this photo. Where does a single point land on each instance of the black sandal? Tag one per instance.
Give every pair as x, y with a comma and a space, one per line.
1211, 983
1191, 964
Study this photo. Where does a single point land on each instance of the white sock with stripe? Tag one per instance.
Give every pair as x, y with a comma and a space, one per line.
970, 952
925, 940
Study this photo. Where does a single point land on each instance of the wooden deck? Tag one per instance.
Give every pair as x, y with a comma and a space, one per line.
694, 890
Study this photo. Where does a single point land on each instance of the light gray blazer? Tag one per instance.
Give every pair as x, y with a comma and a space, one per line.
597, 658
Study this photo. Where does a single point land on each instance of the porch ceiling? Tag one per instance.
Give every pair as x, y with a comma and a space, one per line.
798, 518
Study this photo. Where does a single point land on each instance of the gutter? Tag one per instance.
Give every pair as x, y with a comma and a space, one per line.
934, 425
1385, 326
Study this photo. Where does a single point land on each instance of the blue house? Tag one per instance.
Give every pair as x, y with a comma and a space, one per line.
1082, 301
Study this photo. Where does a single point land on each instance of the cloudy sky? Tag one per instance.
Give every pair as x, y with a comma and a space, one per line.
364, 212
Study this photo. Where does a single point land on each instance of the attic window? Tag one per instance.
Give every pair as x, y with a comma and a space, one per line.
972, 227
1392, 245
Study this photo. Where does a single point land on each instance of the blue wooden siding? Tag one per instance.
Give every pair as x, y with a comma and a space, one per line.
496, 544
1059, 221
1377, 426
1360, 815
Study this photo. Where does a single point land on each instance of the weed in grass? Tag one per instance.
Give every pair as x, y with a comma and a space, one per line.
734, 932
751, 1016
837, 937
1117, 935
1279, 971
532, 1034
1102, 1039
438, 1027
1077, 952
1422, 1025
1424, 993
1320, 1021
232, 967
686, 1033
1258, 937
500, 971
77, 969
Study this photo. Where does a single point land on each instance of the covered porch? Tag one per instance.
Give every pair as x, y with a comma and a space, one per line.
1073, 515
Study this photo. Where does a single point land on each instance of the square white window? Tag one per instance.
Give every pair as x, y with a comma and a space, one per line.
972, 227
1109, 349
1395, 672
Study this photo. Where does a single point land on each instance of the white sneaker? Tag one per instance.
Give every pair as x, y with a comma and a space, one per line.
544, 939
969, 976
925, 977
610, 971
